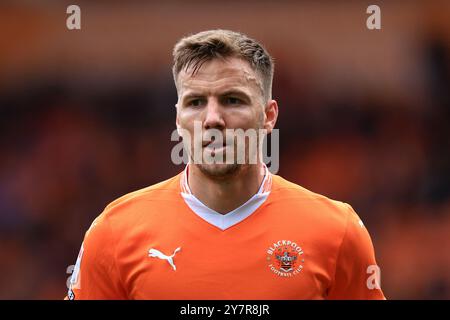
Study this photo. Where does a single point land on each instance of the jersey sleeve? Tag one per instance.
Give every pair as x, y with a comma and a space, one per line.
95, 275
357, 276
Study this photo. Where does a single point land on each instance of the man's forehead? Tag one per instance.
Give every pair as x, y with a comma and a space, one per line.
218, 73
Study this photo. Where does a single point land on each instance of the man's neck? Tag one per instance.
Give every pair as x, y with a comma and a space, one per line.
225, 195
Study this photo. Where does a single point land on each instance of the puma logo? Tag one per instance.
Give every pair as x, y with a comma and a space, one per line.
158, 254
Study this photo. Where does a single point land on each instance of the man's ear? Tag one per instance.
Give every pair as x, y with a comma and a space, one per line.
271, 112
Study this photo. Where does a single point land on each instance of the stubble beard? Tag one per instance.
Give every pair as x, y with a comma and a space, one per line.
226, 170
223, 171
220, 171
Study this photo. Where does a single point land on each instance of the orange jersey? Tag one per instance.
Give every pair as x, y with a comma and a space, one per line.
150, 244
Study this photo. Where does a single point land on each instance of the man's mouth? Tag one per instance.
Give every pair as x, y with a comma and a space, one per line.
214, 144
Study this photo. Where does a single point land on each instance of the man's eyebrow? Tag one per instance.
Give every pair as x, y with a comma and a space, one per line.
232, 92
229, 92
192, 95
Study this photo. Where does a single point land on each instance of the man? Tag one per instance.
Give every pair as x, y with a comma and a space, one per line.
225, 229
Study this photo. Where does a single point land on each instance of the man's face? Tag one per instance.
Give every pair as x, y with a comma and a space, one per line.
223, 94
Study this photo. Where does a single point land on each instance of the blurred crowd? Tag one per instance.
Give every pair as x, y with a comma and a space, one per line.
68, 149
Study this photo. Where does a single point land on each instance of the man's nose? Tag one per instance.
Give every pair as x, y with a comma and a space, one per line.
214, 116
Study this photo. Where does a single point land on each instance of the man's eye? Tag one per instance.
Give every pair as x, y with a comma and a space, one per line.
195, 103
232, 100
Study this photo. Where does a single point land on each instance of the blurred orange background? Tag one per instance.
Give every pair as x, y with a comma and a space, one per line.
86, 116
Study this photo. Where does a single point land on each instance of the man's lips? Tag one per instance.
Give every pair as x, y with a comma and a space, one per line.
213, 144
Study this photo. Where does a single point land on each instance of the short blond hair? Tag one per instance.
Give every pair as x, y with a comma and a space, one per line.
194, 50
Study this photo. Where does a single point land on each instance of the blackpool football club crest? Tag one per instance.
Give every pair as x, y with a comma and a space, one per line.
285, 258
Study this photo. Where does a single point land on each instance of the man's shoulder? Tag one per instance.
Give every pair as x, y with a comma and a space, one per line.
159, 191
288, 189
127, 215
141, 201
301, 200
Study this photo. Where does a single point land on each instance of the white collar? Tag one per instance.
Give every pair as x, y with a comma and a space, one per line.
225, 221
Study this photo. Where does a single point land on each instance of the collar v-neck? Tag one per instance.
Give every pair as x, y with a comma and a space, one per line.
225, 221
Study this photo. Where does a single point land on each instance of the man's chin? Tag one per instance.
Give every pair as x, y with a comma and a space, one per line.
219, 171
